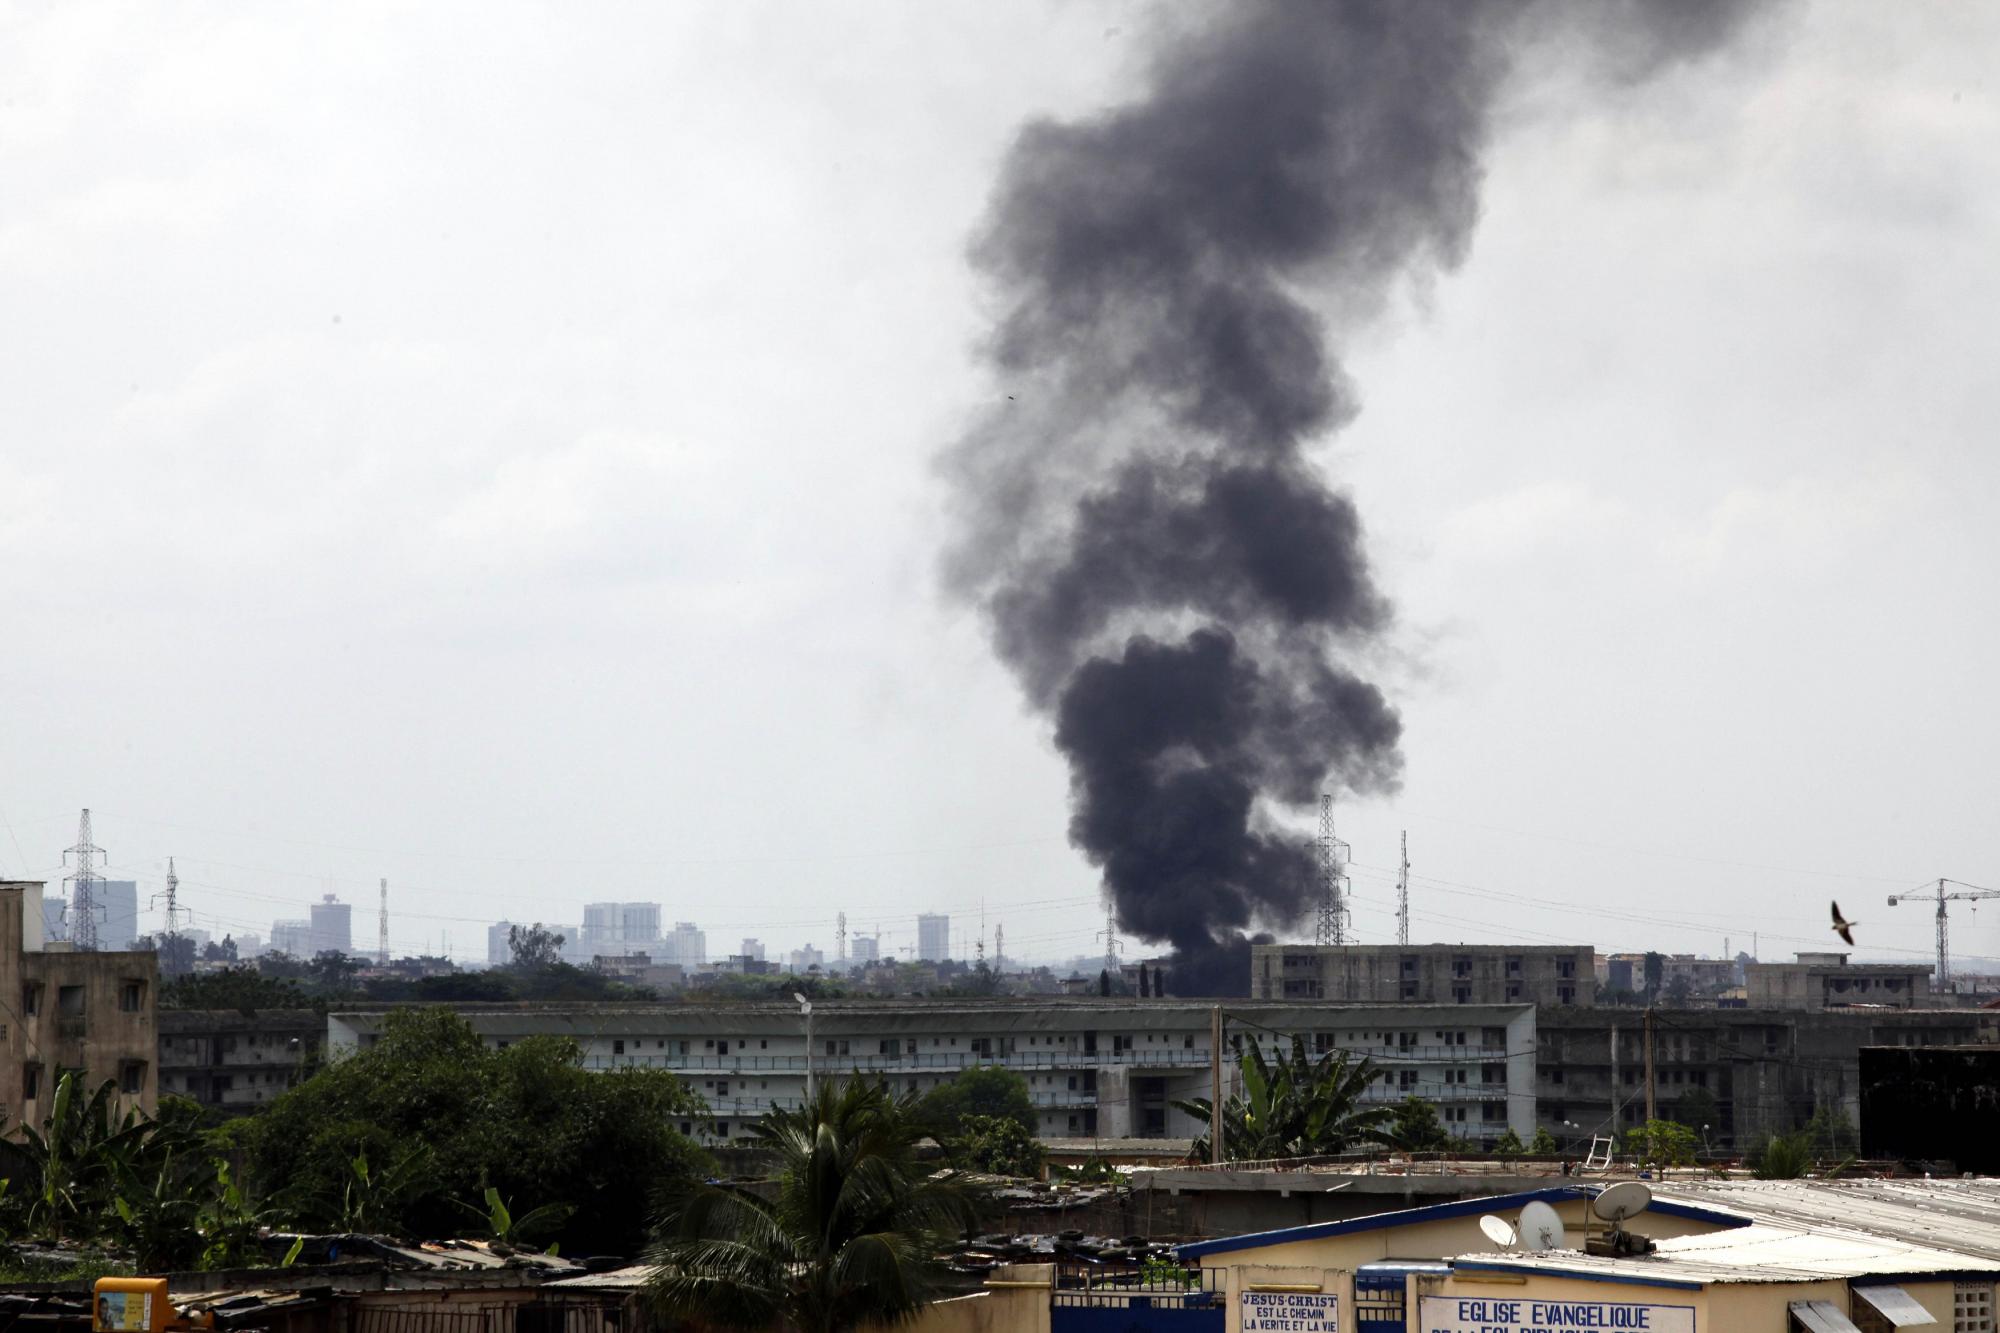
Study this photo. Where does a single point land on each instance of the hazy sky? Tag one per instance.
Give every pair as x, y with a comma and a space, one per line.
491, 446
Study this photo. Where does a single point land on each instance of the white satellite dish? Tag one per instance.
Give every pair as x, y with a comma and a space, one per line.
1624, 1200
1498, 1230
1542, 1228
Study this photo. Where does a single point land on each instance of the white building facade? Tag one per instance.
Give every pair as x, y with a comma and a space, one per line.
1109, 1068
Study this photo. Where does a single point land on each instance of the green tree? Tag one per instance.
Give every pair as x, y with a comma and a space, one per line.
995, 1144
534, 946
1544, 1143
983, 1090
1509, 1145
1781, 1157
1416, 1127
1661, 1143
1296, 1106
850, 1238
437, 1116
244, 988
1696, 1108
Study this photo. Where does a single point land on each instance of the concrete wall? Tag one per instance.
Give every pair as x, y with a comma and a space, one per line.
1424, 973
1767, 1069
67, 1010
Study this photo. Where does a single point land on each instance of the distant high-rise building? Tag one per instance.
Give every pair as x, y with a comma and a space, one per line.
687, 946
806, 959
248, 944
499, 948
612, 930
753, 950
292, 937
117, 912
864, 948
933, 937
332, 927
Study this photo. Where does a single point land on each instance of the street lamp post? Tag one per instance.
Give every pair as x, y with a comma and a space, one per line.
806, 1008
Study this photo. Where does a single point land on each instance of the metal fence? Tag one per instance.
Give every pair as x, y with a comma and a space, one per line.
1161, 1285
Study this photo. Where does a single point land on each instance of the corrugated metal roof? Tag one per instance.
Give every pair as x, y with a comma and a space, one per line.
1822, 1317
1962, 1216
1896, 1305
618, 1279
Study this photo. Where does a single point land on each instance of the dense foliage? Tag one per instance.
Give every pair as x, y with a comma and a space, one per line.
983, 1090
404, 1135
1296, 1106
1416, 1128
848, 1236
996, 1145
98, 1175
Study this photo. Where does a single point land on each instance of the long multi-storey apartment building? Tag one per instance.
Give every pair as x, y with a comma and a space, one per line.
1110, 1068
1425, 973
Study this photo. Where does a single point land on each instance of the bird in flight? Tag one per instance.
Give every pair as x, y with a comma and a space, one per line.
1843, 927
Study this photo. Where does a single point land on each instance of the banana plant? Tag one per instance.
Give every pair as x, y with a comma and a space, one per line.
503, 1226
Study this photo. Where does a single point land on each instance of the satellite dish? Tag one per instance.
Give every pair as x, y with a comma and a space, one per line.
1499, 1231
1542, 1228
1626, 1199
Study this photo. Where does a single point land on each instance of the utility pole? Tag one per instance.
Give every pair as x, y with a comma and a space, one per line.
1652, 1086
84, 885
1403, 894
382, 927
1215, 1085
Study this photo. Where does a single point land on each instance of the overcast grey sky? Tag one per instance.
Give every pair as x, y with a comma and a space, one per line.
490, 446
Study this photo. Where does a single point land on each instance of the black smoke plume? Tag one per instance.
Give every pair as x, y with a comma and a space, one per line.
1164, 569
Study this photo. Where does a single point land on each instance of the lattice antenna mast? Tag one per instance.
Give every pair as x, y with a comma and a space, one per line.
83, 885
382, 927
1333, 856
1111, 942
840, 939
1403, 894
999, 945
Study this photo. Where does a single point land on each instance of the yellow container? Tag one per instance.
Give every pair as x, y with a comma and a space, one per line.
130, 1305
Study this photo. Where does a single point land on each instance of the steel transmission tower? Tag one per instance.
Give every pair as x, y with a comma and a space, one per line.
382, 928
1111, 942
83, 890
840, 939
1403, 894
1333, 915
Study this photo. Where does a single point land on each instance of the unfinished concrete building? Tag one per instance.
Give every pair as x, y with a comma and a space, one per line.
1425, 973
1744, 1073
94, 1012
1829, 981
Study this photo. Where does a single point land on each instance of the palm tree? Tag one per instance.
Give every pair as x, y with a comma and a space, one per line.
1295, 1107
848, 1240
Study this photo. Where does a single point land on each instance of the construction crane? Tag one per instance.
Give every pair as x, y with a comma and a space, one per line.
1941, 896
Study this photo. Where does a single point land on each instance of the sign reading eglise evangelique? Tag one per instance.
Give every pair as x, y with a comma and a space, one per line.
1485, 1314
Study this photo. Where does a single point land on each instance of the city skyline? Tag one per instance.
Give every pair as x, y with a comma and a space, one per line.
1678, 480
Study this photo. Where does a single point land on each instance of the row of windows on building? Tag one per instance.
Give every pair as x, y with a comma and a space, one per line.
131, 1078
71, 1001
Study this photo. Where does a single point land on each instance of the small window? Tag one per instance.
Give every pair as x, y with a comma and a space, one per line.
69, 1002
618, 1047
722, 1129
131, 997
722, 1046
132, 1077
763, 1044
31, 1082
1972, 1307
31, 999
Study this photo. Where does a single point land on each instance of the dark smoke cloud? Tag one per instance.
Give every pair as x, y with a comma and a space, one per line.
1165, 571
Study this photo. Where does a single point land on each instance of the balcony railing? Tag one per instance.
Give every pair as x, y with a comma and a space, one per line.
1144, 1057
